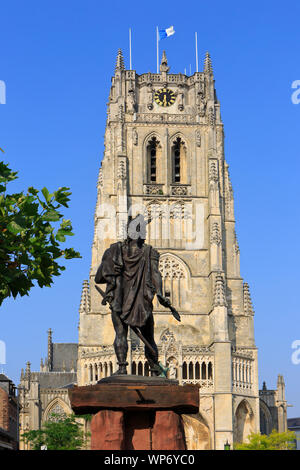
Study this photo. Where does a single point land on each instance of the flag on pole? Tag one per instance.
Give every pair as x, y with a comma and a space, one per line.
165, 33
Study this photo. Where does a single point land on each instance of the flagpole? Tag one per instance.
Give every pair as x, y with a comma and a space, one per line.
130, 62
196, 44
157, 50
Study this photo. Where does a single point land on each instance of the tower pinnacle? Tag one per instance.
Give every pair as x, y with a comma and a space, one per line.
120, 61
207, 64
164, 63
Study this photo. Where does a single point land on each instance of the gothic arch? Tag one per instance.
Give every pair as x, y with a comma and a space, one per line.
156, 176
243, 421
57, 406
184, 268
176, 279
197, 432
266, 422
180, 161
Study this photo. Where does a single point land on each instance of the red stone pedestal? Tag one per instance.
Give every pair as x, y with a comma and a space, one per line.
136, 413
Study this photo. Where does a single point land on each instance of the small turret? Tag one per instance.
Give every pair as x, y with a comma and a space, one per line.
120, 61
164, 63
219, 294
248, 307
85, 298
207, 64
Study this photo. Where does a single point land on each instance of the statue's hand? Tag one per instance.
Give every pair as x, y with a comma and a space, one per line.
164, 301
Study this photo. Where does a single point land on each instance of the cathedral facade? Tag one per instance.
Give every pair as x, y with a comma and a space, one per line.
164, 157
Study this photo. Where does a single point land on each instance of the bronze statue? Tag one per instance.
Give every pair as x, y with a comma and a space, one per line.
130, 271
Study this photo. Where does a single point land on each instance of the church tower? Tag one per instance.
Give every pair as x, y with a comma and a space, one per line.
164, 156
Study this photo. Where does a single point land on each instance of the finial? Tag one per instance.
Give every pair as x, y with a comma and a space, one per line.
207, 64
22, 375
248, 307
219, 294
50, 335
164, 63
264, 386
85, 303
120, 61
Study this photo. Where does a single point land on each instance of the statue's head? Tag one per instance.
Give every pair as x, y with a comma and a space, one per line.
136, 228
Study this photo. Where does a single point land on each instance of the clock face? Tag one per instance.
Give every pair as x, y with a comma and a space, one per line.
164, 97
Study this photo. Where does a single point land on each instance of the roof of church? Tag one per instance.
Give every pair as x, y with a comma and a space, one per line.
54, 379
293, 423
64, 357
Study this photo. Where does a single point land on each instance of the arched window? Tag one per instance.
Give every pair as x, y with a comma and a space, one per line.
133, 368
203, 371
179, 162
210, 374
140, 368
147, 369
153, 160
197, 370
191, 370
184, 370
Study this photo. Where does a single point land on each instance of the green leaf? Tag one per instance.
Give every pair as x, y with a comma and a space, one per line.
17, 225
52, 216
46, 194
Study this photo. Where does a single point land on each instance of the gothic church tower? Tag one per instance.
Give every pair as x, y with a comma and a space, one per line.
164, 156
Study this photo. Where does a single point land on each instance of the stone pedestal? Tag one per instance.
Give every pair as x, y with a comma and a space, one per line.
136, 413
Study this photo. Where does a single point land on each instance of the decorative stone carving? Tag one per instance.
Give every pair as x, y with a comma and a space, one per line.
213, 170
211, 117
171, 268
135, 137
153, 189
180, 98
198, 138
179, 190
219, 294
215, 237
121, 170
248, 307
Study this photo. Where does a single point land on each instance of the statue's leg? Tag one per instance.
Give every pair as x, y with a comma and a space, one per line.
120, 343
148, 332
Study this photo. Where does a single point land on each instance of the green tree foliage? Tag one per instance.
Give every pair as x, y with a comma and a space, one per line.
31, 231
59, 433
274, 441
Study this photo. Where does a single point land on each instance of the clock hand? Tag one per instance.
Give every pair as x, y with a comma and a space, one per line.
165, 99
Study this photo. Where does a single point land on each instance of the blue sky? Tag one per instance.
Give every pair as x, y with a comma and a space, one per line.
57, 59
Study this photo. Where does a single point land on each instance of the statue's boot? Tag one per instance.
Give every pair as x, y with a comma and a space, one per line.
122, 369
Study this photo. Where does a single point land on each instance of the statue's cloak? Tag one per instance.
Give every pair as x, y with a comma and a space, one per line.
131, 281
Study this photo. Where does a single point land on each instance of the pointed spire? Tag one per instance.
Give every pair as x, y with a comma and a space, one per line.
219, 294
164, 63
120, 61
42, 365
50, 349
22, 375
264, 386
248, 307
27, 370
208, 64
85, 303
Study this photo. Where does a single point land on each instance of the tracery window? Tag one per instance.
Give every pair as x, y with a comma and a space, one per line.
179, 161
153, 160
